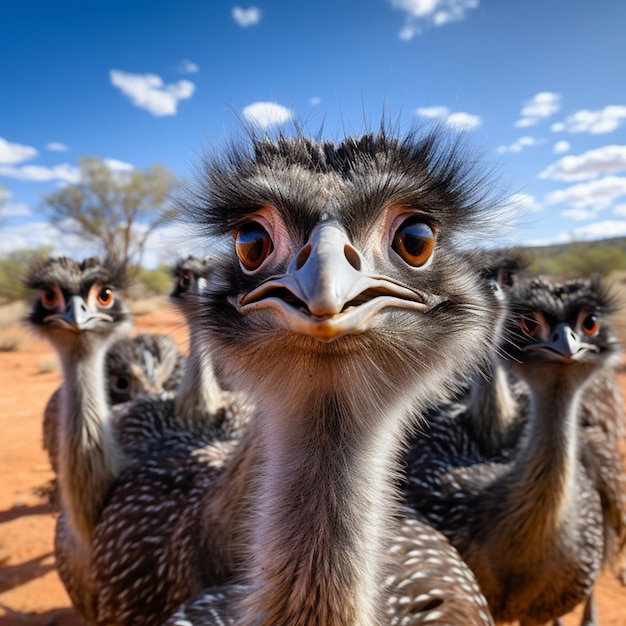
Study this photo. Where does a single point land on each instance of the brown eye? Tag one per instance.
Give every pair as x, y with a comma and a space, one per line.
105, 297
253, 245
529, 325
590, 325
49, 298
414, 242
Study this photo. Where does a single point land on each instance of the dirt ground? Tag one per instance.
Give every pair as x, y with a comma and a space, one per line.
30, 590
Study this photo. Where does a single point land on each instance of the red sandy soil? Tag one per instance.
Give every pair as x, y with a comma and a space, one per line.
30, 590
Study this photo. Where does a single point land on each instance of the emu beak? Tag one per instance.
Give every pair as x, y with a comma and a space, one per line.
326, 292
77, 316
563, 344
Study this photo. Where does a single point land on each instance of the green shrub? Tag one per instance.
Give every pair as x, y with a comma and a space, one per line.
13, 269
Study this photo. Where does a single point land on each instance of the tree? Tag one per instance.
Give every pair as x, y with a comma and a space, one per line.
117, 210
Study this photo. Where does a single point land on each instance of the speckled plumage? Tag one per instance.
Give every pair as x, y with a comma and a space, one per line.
145, 364
324, 541
79, 312
528, 518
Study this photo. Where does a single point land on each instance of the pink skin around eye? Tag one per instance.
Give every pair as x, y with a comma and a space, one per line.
269, 218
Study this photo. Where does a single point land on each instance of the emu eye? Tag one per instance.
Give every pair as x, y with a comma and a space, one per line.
120, 383
105, 297
49, 298
414, 241
529, 325
590, 325
253, 245
186, 279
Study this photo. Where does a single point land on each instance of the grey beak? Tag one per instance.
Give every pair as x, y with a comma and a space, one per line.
76, 313
564, 340
327, 270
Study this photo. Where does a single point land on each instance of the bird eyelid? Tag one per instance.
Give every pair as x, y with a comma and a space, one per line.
269, 220
52, 298
399, 215
100, 295
588, 322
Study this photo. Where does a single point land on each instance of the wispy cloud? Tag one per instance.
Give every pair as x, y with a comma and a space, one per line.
541, 106
39, 173
519, 144
592, 196
188, 67
266, 114
11, 153
11, 209
458, 120
56, 146
593, 122
246, 17
315, 101
421, 14
149, 92
590, 164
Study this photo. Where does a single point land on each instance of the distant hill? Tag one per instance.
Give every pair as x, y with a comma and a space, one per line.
579, 258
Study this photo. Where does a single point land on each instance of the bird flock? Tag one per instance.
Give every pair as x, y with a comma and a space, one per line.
374, 423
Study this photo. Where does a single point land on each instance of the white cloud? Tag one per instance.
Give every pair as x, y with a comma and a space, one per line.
560, 147
590, 164
579, 215
541, 106
35, 234
518, 145
525, 202
118, 166
315, 101
246, 17
458, 120
620, 209
39, 173
56, 146
147, 91
11, 153
266, 114
14, 209
594, 122
188, 67
420, 14
596, 195
596, 230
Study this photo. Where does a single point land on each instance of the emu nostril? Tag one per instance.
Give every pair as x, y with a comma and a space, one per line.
352, 256
303, 255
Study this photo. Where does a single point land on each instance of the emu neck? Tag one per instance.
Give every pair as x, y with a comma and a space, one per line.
89, 460
200, 394
543, 476
319, 533
493, 408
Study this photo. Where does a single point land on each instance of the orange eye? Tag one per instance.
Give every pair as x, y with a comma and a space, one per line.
105, 297
590, 325
49, 298
529, 325
253, 245
414, 242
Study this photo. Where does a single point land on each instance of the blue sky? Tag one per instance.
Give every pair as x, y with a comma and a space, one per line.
537, 87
